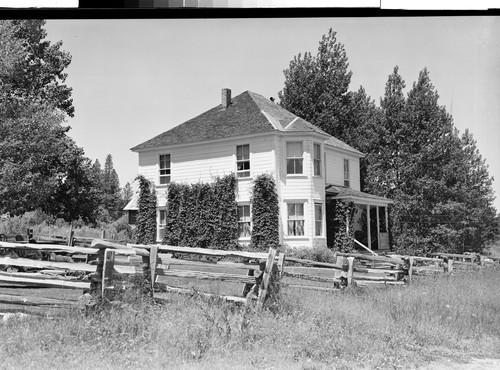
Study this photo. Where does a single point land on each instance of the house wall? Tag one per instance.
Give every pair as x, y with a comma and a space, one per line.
335, 168
202, 162
304, 188
205, 161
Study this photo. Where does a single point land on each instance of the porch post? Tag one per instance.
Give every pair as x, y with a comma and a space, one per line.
378, 229
368, 226
386, 220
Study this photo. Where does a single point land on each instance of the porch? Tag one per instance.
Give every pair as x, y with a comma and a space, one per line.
370, 219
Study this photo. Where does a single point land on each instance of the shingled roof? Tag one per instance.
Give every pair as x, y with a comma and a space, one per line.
248, 113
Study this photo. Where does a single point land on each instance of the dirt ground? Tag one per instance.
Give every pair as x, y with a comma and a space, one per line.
473, 364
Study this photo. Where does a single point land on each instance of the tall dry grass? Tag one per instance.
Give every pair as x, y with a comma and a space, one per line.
455, 316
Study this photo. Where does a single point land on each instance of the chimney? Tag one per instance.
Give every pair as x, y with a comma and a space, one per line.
226, 98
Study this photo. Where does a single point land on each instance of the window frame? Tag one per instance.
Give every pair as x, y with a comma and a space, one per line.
295, 159
245, 220
318, 221
347, 173
161, 226
297, 221
168, 174
317, 161
245, 172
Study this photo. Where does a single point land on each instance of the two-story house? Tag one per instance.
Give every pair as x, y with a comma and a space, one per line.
250, 135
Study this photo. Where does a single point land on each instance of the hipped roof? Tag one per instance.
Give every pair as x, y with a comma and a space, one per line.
249, 113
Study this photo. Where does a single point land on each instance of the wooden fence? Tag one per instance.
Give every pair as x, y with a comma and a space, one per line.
107, 267
100, 267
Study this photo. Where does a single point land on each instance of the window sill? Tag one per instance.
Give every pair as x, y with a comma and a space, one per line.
293, 237
296, 176
246, 178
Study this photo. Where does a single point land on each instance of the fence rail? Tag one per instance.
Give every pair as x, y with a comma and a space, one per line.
104, 266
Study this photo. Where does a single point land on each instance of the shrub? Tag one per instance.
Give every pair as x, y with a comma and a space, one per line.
265, 213
202, 215
146, 217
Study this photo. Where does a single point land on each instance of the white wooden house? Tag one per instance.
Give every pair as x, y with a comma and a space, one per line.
250, 135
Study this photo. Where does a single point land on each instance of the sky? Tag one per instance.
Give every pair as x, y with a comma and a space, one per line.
134, 79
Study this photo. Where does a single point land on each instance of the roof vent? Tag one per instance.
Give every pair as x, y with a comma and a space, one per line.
226, 98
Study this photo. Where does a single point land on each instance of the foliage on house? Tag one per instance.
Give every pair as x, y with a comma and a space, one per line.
202, 215
341, 229
265, 213
146, 217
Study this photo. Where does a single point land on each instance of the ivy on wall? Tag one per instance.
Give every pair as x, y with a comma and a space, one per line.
146, 216
202, 215
342, 214
265, 213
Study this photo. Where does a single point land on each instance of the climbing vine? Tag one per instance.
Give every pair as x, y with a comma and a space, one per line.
202, 215
265, 213
146, 216
342, 214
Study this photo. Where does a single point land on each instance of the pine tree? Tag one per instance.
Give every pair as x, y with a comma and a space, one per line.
111, 189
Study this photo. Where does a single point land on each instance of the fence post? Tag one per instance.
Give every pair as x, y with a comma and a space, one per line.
107, 270
266, 277
153, 258
281, 263
71, 236
350, 270
410, 269
481, 260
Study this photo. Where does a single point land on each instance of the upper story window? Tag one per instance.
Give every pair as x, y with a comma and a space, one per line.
294, 157
317, 159
165, 168
346, 173
295, 219
243, 160
244, 221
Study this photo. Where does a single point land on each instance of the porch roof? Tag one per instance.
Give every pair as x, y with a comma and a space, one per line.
356, 196
133, 204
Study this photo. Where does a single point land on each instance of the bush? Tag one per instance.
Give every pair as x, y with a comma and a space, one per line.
265, 214
202, 215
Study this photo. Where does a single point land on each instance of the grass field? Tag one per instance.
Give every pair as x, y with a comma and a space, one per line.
455, 317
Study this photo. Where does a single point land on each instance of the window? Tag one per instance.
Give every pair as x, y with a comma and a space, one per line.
318, 219
243, 160
317, 159
244, 226
294, 157
132, 216
346, 172
295, 219
162, 223
164, 169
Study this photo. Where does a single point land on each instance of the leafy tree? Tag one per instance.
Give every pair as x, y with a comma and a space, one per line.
316, 87
40, 166
126, 195
34, 67
433, 175
146, 216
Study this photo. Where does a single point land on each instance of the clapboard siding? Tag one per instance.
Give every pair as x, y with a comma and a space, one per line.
202, 162
335, 168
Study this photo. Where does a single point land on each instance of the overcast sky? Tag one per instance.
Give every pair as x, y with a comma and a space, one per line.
134, 79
